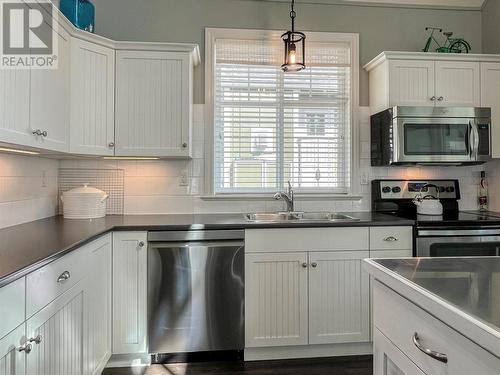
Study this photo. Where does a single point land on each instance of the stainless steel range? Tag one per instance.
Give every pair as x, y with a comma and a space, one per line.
455, 233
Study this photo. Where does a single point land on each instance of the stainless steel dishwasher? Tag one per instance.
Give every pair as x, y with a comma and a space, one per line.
195, 291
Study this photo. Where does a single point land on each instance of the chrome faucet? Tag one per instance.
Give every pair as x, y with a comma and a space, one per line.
287, 197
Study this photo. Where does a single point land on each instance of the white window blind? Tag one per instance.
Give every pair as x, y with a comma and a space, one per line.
271, 127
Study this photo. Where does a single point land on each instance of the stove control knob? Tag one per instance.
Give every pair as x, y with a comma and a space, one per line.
386, 189
450, 189
396, 189
442, 189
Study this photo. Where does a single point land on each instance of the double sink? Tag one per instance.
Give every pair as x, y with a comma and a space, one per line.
278, 217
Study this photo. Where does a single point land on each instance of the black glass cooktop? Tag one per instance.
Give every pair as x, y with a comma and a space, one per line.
456, 218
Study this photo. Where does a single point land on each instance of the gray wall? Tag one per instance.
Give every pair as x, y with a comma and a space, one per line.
491, 26
380, 28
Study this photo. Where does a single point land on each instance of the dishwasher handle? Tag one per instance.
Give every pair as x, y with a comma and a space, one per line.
187, 244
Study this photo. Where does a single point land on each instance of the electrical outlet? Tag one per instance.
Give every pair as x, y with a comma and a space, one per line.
184, 180
364, 179
44, 178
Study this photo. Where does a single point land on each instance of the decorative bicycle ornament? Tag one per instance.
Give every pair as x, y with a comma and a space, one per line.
451, 45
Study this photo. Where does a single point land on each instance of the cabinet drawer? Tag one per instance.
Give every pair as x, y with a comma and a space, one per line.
12, 306
388, 238
50, 281
311, 239
399, 320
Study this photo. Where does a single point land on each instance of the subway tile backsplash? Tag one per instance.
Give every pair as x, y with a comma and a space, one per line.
28, 188
28, 185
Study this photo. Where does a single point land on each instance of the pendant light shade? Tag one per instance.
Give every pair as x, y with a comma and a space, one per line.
295, 47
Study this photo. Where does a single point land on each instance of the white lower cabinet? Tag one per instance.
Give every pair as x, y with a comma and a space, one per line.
129, 292
338, 298
276, 299
307, 297
389, 360
98, 308
57, 336
13, 361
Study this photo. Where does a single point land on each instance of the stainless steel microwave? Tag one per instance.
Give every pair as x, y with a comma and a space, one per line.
431, 135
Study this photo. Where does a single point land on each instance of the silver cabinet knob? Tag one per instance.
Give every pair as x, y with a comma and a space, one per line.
433, 98
36, 132
141, 244
25, 348
184, 145
44, 133
63, 276
440, 98
390, 239
37, 340
111, 144
304, 265
314, 264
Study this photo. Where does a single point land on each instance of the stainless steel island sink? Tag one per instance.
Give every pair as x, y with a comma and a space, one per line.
277, 217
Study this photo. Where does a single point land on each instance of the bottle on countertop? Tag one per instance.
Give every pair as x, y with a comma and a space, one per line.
483, 192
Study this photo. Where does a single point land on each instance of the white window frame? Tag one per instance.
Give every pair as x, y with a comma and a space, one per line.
211, 35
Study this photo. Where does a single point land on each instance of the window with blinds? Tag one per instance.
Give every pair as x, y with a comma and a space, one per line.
271, 127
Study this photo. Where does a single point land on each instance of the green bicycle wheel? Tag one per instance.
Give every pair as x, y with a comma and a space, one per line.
460, 46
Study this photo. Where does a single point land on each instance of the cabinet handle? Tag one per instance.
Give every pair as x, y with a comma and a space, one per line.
391, 239
441, 98
36, 132
431, 353
25, 348
184, 145
111, 144
304, 265
37, 340
63, 276
433, 98
141, 244
314, 264
44, 133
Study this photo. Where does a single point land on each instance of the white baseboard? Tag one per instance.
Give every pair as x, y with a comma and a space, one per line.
308, 351
129, 360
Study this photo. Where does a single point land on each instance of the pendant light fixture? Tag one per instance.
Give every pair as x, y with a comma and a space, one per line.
295, 47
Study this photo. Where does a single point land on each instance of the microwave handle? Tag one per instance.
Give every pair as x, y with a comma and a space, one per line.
476, 140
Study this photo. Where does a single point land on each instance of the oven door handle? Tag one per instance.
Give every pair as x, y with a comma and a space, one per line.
457, 233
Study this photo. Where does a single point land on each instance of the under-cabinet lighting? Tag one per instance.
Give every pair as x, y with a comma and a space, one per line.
130, 158
14, 151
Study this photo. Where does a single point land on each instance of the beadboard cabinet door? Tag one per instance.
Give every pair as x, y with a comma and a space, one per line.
57, 336
153, 103
98, 307
458, 84
411, 83
13, 361
15, 107
129, 292
92, 128
276, 299
490, 97
339, 308
50, 99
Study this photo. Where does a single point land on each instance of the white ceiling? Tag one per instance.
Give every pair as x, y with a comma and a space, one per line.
447, 4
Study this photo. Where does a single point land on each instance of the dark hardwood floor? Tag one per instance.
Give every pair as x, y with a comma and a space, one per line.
320, 366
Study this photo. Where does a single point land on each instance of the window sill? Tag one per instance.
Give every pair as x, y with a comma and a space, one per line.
269, 197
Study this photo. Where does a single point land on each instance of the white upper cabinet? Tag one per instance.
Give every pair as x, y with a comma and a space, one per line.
490, 97
411, 82
50, 100
15, 107
425, 79
153, 103
458, 84
92, 128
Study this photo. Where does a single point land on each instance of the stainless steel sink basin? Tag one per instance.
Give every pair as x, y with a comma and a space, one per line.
276, 217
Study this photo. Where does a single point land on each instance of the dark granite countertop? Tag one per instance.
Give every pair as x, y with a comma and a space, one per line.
26, 247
